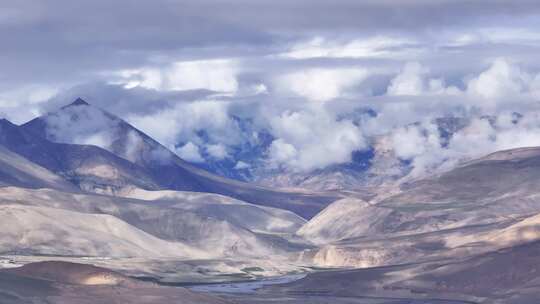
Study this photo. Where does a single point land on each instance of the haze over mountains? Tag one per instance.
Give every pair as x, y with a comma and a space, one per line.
385, 159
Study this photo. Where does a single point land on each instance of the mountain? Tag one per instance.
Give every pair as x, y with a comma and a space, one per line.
508, 276
82, 235
137, 160
112, 208
346, 218
88, 167
468, 235
81, 184
18, 171
435, 216
261, 219
373, 166
171, 224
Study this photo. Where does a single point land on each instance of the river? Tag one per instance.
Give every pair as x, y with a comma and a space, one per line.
245, 287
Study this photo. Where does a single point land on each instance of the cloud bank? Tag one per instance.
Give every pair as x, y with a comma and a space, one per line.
292, 89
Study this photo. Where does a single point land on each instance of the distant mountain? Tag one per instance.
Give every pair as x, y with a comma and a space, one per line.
102, 153
18, 171
374, 166
49, 203
490, 201
88, 167
82, 123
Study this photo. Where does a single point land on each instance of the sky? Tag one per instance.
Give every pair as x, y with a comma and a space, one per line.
305, 71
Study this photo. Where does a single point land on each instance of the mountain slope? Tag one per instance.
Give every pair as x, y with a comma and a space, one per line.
88, 167
343, 219
506, 276
204, 222
18, 171
81, 123
255, 218
36, 230
456, 210
500, 185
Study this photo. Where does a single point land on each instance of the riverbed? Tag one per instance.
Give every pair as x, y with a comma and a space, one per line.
245, 287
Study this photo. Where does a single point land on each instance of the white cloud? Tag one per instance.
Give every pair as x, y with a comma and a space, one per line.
421, 143
501, 82
321, 84
217, 75
190, 152
511, 35
377, 46
282, 152
185, 119
311, 140
413, 81
217, 151
99, 139
134, 145
535, 87
408, 142
409, 81
240, 165
464, 39
22, 104
92, 126
260, 89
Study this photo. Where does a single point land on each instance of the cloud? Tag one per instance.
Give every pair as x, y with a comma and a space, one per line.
22, 104
240, 165
308, 140
100, 139
321, 84
501, 81
535, 87
215, 75
281, 152
122, 101
409, 81
377, 46
215, 78
217, 151
81, 125
201, 122
421, 143
303, 135
135, 146
190, 152
148, 38
413, 81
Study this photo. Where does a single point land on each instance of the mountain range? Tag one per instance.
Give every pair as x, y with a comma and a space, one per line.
377, 164
129, 158
81, 186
